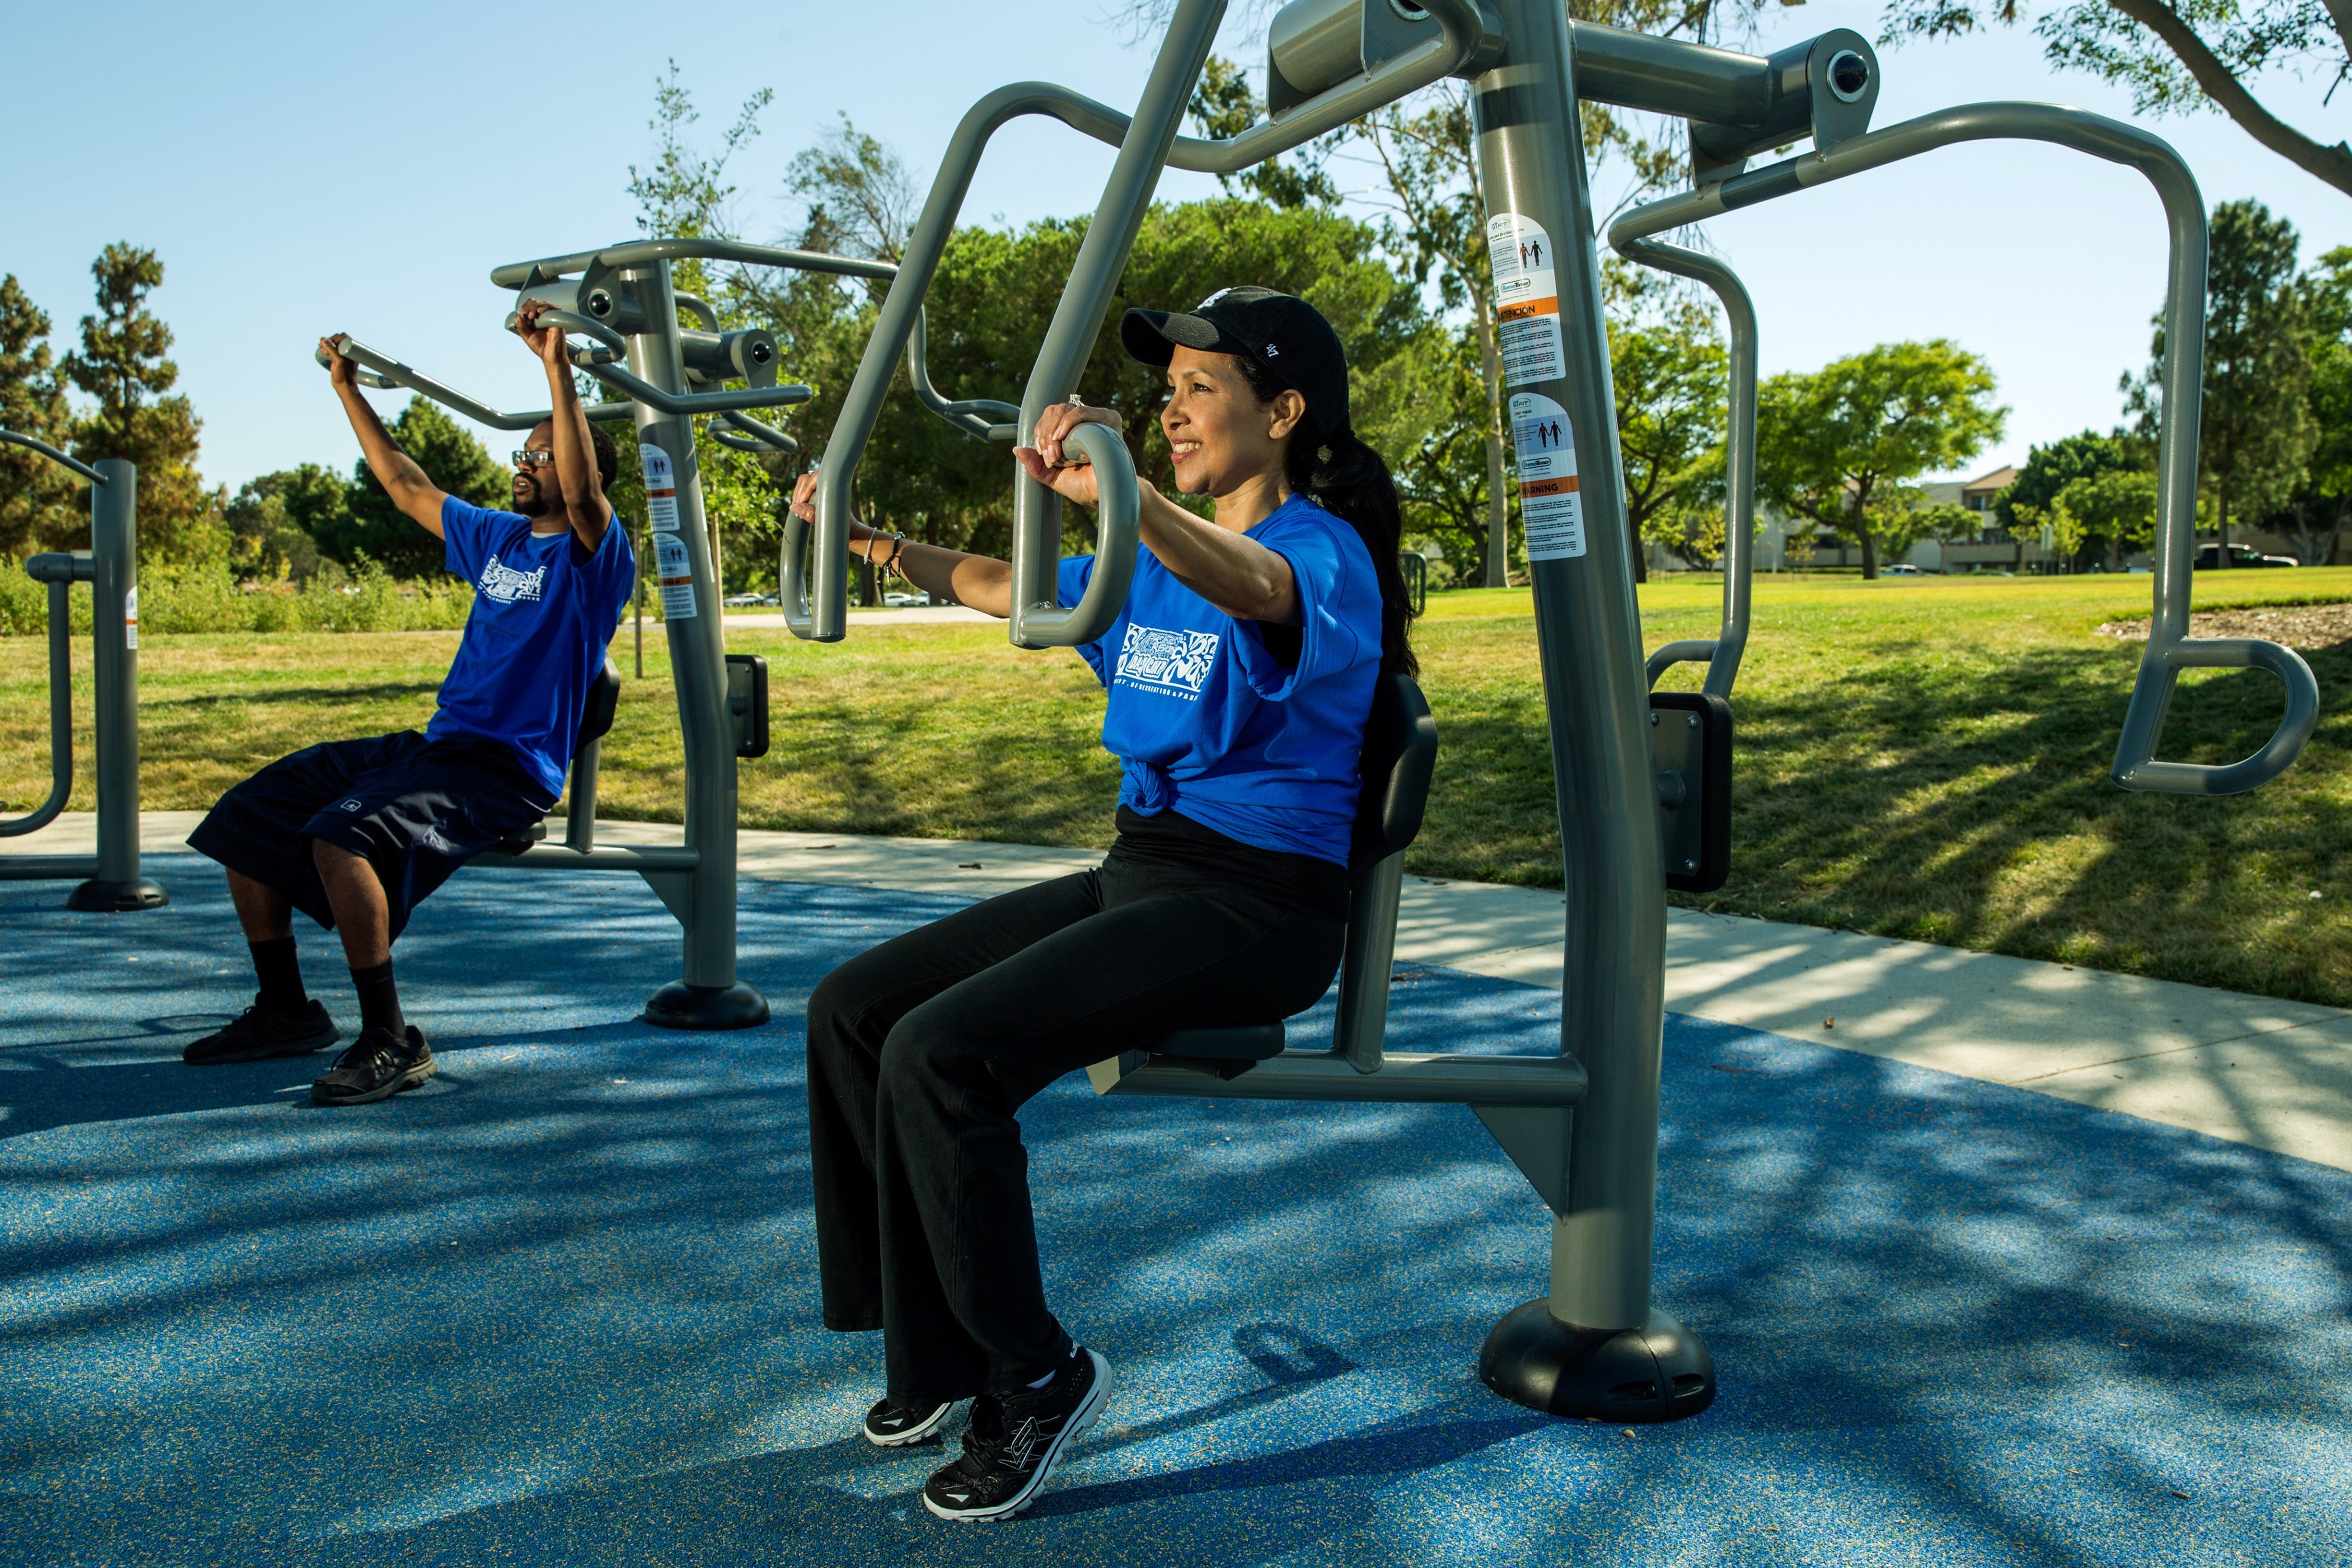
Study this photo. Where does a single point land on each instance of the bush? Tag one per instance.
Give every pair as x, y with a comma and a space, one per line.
205, 598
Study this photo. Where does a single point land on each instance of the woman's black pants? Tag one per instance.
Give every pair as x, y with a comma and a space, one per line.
920, 1051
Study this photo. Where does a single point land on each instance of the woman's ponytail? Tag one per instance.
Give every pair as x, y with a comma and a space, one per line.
1349, 480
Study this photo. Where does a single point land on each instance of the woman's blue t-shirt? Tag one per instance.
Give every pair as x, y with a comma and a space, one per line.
1211, 726
535, 638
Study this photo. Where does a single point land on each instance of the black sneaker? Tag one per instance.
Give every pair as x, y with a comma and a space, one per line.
376, 1067
257, 1034
890, 1424
1015, 1440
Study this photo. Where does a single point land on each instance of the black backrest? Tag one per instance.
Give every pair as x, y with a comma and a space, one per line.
1400, 755
603, 698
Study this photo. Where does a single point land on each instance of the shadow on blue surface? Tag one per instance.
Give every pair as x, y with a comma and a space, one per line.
559, 1305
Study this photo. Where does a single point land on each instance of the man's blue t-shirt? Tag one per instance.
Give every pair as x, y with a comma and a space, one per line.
1211, 725
535, 638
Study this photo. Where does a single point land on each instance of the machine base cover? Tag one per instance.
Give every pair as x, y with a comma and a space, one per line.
118, 897
678, 1005
1658, 1372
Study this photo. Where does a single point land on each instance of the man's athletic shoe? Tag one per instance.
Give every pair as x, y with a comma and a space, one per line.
890, 1424
377, 1066
257, 1034
1015, 1440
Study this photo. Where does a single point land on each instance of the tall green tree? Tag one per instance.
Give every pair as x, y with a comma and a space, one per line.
2324, 505
1843, 444
37, 496
275, 523
2178, 56
369, 527
2255, 431
684, 193
2089, 459
1425, 410
123, 366
1673, 382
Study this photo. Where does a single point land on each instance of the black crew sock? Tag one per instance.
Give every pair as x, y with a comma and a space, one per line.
280, 974
379, 1000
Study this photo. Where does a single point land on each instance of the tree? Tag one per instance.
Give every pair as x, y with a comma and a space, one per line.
122, 364
2029, 499
1224, 105
1839, 445
684, 194
2255, 431
2324, 505
369, 527
37, 496
1672, 384
1425, 410
2176, 55
276, 520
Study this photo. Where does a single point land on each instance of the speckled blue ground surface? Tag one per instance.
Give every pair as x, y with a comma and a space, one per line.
559, 1306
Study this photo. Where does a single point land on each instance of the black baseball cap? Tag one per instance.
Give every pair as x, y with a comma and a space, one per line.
1281, 331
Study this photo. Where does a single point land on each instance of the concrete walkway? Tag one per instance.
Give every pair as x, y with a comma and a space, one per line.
2269, 1074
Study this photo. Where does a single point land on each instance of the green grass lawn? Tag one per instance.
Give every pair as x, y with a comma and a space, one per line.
1921, 757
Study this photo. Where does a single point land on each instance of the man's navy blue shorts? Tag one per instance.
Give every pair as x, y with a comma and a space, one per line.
416, 809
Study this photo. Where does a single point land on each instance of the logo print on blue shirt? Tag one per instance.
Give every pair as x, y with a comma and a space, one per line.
1175, 661
507, 586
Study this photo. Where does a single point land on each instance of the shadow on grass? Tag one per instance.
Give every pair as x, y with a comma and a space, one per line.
1965, 799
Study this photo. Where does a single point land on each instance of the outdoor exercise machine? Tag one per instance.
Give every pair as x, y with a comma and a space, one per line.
623, 302
110, 566
2170, 649
1583, 1126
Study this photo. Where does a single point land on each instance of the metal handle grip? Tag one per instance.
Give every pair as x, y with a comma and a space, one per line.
2159, 671
60, 702
1119, 514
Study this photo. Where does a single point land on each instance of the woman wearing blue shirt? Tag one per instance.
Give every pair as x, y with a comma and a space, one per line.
1240, 676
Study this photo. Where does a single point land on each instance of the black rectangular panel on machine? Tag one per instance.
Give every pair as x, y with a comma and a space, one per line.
747, 702
1690, 746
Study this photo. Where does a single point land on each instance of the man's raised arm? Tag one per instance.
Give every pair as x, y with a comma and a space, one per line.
415, 495
584, 507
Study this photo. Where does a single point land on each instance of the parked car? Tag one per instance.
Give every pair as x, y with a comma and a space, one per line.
740, 600
2209, 556
907, 601
1900, 568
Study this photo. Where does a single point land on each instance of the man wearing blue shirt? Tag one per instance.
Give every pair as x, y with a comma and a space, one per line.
355, 834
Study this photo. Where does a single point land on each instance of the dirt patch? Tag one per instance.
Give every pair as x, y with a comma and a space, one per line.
2297, 626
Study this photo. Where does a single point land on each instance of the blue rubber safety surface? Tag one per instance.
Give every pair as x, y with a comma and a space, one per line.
559, 1307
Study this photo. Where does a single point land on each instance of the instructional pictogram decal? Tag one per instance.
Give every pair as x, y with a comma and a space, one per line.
1549, 507
661, 489
1527, 301
676, 574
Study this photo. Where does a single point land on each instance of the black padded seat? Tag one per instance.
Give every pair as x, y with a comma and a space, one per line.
595, 720
1399, 758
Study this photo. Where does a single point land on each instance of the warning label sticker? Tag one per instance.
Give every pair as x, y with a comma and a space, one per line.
661, 489
1526, 302
130, 620
1549, 507
676, 574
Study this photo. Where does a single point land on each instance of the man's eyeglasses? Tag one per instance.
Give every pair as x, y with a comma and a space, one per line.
528, 458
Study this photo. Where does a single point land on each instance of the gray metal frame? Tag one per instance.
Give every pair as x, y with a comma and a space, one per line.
621, 299
2170, 648
110, 566
1581, 1126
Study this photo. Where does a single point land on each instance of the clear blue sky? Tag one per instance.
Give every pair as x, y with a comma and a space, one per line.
305, 169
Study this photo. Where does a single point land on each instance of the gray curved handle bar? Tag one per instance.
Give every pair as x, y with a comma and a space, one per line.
10, 438
383, 371
2170, 648
1462, 38
1723, 652
765, 438
1118, 514
1118, 517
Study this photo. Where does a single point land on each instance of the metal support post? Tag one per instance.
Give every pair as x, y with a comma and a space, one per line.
114, 623
709, 996
1596, 1347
